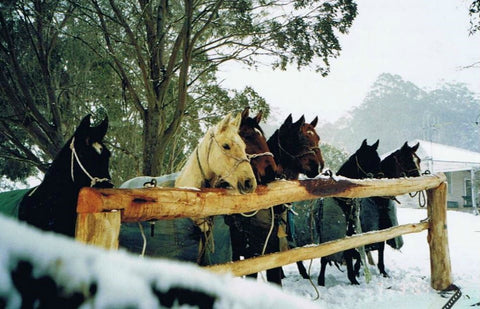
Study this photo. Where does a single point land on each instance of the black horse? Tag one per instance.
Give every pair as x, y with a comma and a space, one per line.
377, 212
295, 149
82, 162
338, 212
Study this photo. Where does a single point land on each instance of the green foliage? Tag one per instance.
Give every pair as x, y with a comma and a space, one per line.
333, 156
134, 59
396, 110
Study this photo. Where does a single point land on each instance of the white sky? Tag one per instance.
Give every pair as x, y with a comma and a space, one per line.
425, 42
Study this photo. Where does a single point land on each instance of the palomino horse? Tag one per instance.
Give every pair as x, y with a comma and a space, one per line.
242, 226
380, 212
82, 162
295, 149
219, 159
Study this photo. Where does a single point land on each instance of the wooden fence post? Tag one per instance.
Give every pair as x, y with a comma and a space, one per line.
440, 266
100, 229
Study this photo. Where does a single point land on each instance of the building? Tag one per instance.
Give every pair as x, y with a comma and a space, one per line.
459, 166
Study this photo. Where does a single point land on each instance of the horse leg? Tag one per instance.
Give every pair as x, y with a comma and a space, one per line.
302, 270
350, 272
275, 274
381, 264
321, 275
358, 263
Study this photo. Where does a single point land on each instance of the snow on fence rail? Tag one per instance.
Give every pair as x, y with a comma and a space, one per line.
101, 212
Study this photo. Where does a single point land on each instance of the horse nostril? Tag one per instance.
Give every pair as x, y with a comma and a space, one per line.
248, 185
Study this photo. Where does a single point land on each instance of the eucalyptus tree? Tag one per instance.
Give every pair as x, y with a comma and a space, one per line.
151, 64
33, 108
166, 52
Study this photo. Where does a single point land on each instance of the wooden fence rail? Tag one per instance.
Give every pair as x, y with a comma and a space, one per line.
101, 211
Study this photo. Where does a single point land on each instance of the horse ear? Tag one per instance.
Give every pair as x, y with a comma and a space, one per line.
415, 148
224, 123
236, 121
258, 118
84, 127
245, 112
314, 122
375, 146
405, 147
288, 121
300, 121
364, 143
98, 132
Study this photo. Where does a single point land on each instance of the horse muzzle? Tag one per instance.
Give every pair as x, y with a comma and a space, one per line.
247, 186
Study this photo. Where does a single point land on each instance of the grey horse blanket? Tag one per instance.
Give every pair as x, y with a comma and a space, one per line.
378, 213
177, 239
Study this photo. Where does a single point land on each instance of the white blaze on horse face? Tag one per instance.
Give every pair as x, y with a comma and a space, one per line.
416, 160
258, 131
98, 147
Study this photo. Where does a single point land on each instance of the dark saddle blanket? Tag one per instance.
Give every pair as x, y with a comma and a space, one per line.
10, 202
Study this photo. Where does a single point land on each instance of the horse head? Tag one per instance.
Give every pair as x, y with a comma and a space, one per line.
89, 156
261, 159
403, 162
364, 163
296, 150
224, 158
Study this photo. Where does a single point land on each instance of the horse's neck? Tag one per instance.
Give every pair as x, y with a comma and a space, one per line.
58, 178
389, 168
272, 143
349, 169
192, 175
283, 169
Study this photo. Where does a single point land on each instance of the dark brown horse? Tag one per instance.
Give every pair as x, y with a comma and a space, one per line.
295, 146
261, 159
295, 150
243, 227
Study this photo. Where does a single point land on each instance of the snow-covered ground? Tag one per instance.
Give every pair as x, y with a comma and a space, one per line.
409, 270
114, 280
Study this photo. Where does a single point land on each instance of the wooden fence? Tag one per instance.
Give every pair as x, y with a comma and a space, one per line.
101, 212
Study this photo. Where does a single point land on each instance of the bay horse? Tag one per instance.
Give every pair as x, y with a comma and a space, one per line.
336, 213
82, 162
243, 227
295, 147
377, 212
219, 159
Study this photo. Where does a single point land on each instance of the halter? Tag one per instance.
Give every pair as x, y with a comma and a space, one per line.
406, 173
93, 180
237, 159
369, 175
258, 155
310, 150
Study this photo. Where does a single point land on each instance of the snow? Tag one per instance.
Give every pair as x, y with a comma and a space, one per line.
125, 280
121, 280
409, 270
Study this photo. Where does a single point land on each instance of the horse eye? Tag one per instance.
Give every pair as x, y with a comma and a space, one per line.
310, 132
226, 146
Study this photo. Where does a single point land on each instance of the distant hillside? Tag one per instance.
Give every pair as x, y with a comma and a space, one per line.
396, 110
